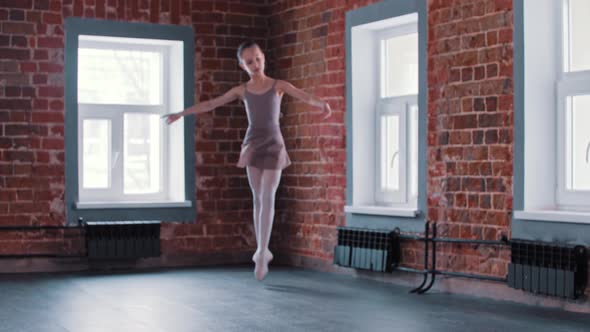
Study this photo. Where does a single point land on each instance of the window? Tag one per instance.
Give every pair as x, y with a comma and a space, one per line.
122, 160
573, 98
397, 116
552, 103
122, 93
384, 80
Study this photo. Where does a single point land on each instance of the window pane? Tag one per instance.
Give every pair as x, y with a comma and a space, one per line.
96, 151
400, 64
390, 152
111, 76
141, 153
579, 41
578, 143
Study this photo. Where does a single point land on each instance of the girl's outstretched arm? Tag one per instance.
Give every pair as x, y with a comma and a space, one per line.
292, 91
206, 106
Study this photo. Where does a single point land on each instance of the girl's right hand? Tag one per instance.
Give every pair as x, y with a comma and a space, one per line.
170, 118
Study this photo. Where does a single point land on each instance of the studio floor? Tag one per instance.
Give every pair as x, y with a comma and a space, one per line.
230, 299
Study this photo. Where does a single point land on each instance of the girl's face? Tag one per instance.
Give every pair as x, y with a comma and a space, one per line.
252, 61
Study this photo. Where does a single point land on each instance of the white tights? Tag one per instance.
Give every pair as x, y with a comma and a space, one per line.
264, 184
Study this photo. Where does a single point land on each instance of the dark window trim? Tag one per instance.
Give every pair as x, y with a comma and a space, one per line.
79, 26
536, 230
372, 13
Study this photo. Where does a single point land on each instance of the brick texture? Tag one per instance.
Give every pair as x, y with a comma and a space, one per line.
470, 129
32, 119
469, 132
470, 121
224, 208
307, 49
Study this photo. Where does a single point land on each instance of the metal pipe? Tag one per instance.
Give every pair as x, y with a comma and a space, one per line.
411, 237
40, 256
452, 240
453, 274
409, 269
36, 228
433, 271
426, 232
470, 275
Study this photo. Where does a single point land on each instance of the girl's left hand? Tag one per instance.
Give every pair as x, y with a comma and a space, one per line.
170, 118
326, 110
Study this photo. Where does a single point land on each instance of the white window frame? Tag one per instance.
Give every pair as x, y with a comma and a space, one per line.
546, 86
406, 107
390, 107
368, 107
569, 84
400, 106
115, 114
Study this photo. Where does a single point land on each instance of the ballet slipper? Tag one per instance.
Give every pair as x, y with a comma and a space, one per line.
260, 271
261, 268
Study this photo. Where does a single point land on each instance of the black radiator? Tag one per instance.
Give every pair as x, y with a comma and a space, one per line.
122, 239
548, 268
367, 249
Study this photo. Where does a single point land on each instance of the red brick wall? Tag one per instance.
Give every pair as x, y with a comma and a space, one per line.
470, 124
32, 119
307, 49
224, 208
470, 120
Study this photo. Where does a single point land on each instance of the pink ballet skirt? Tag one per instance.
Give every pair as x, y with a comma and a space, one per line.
264, 148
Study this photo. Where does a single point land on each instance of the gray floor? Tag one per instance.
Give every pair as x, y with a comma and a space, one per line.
229, 299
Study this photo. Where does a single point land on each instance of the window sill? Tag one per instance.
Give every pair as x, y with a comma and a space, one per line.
554, 215
131, 205
382, 210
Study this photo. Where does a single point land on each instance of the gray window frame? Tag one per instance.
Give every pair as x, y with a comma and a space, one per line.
536, 230
372, 13
81, 26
